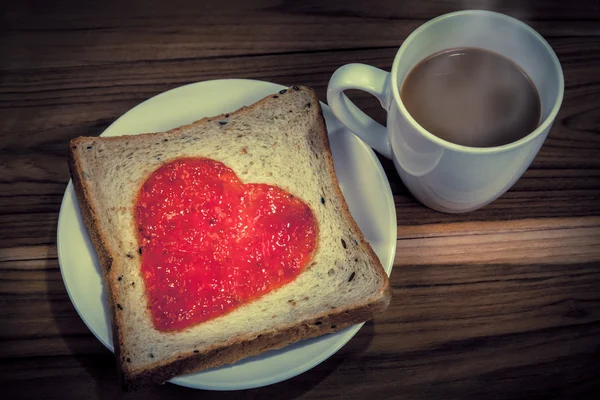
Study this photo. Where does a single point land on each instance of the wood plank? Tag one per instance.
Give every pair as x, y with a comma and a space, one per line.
43, 253
22, 230
531, 241
240, 28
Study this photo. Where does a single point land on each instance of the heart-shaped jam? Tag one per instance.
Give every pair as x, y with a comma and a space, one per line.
211, 243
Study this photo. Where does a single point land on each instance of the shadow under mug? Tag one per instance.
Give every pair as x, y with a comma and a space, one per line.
442, 175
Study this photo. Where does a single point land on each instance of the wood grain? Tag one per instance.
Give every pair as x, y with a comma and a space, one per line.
500, 303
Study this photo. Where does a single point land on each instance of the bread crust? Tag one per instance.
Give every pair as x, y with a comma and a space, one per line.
97, 237
238, 347
386, 291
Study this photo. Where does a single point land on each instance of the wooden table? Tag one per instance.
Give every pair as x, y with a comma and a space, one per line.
502, 303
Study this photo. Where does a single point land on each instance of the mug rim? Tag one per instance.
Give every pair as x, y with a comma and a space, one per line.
545, 124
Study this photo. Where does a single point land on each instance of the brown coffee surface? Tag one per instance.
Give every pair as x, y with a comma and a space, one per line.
473, 97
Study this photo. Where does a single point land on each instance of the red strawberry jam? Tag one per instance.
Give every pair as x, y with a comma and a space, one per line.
211, 243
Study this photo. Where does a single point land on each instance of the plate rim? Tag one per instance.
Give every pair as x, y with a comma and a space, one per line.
346, 334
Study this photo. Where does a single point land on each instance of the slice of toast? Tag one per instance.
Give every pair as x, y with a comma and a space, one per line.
280, 140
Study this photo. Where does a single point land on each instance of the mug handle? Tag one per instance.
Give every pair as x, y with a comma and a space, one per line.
377, 82
371, 80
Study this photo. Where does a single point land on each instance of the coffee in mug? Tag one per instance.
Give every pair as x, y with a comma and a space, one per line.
469, 120
472, 97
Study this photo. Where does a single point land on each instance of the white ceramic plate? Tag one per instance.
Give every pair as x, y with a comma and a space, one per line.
361, 179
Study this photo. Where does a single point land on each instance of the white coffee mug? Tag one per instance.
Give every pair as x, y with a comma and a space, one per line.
442, 175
